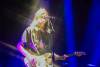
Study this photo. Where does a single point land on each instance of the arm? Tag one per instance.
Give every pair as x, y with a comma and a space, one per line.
25, 38
29, 59
22, 49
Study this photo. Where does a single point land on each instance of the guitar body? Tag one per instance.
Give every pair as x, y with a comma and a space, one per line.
27, 62
41, 61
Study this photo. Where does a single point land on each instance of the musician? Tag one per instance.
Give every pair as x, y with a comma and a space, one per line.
35, 40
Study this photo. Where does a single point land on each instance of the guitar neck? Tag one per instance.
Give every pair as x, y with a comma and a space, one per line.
70, 55
62, 57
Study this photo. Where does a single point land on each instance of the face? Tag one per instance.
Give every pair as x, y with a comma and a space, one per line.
42, 20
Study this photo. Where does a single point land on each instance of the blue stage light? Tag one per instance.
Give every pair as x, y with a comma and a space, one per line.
69, 24
92, 35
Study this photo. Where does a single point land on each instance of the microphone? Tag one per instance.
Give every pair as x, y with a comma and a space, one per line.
50, 17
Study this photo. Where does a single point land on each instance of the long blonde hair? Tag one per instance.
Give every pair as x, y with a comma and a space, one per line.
38, 15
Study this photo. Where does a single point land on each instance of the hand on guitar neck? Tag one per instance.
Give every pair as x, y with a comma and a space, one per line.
79, 53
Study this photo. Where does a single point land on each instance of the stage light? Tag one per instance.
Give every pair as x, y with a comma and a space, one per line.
91, 65
92, 35
69, 24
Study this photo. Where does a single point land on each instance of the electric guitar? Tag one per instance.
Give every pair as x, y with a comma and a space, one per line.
45, 60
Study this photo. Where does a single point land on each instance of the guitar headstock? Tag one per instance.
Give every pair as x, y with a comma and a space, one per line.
79, 53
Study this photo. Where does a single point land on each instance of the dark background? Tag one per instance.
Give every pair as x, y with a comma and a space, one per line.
15, 13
